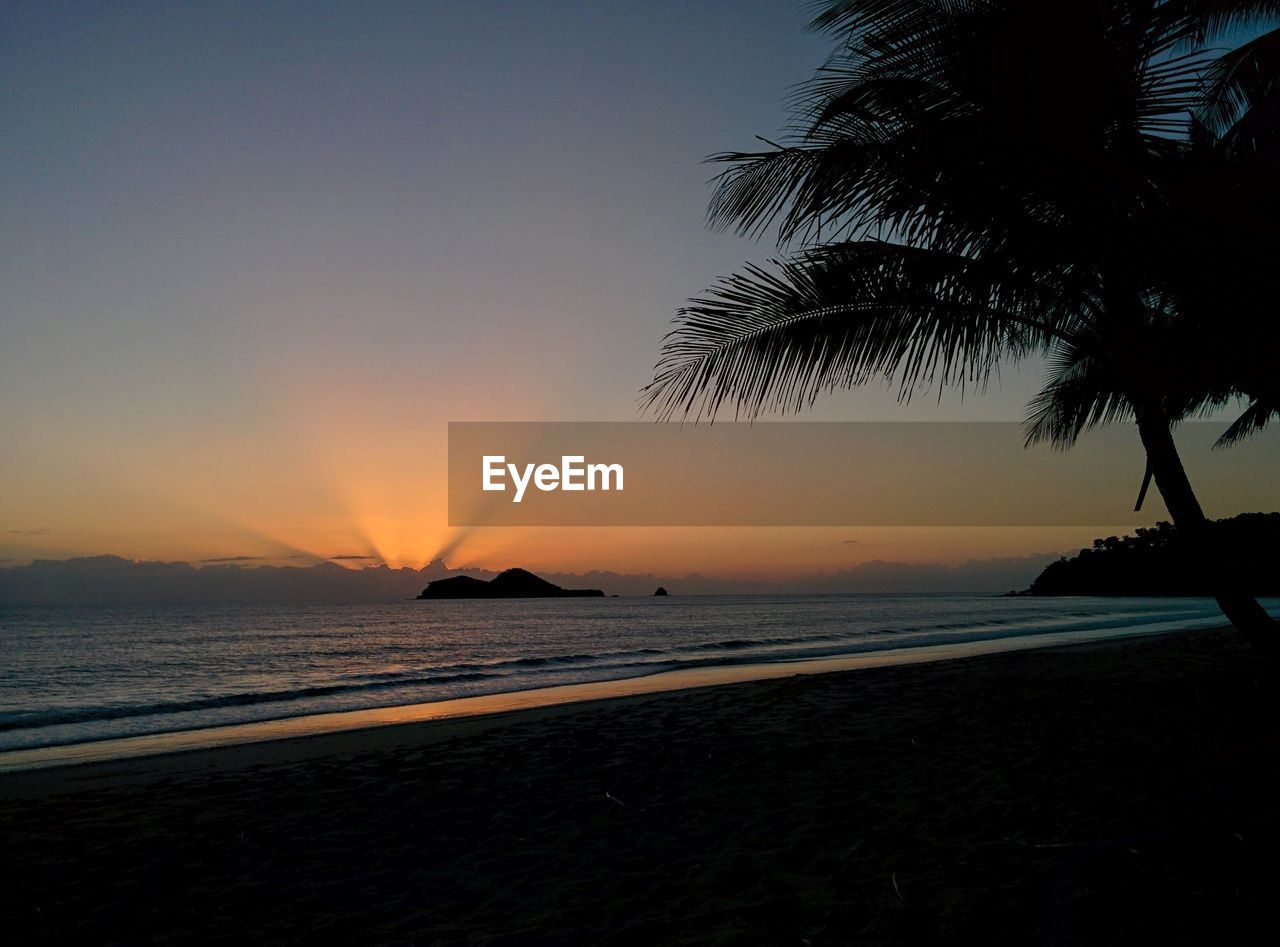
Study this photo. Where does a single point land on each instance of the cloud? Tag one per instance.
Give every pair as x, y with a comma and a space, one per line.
113, 580
850, 542
30, 532
348, 557
233, 559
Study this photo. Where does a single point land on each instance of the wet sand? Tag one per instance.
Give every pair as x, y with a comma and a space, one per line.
1096, 794
287, 728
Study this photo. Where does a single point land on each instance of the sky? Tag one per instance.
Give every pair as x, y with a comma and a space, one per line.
254, 257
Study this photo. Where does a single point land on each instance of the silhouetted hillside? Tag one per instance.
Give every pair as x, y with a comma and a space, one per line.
1160, 561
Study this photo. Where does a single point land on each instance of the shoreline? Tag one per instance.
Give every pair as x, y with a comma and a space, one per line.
1107, 792
310, 727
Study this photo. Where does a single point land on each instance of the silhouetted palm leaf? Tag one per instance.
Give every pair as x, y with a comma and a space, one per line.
841, 315
1239, 80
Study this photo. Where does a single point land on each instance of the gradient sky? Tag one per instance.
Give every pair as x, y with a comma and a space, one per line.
253, 257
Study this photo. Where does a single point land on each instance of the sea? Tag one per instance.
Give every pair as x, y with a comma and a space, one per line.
75, 674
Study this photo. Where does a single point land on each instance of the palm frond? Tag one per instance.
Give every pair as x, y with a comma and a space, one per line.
880, 17
1253, 419
1204, 22
775, 338
1080, 393
1239, 80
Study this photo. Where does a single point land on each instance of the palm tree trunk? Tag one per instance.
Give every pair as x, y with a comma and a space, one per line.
1241, 608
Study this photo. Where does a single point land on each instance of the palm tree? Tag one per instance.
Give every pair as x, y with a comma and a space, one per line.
971, 182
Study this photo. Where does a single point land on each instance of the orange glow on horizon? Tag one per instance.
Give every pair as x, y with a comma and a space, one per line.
319, 475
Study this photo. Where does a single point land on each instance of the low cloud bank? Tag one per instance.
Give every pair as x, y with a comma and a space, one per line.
113, 580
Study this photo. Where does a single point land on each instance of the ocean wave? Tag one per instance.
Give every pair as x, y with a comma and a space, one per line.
64, 715
408, 667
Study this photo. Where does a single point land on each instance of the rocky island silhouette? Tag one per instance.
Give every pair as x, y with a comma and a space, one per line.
513, 583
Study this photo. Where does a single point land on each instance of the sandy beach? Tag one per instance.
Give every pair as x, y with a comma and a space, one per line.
1102, 793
